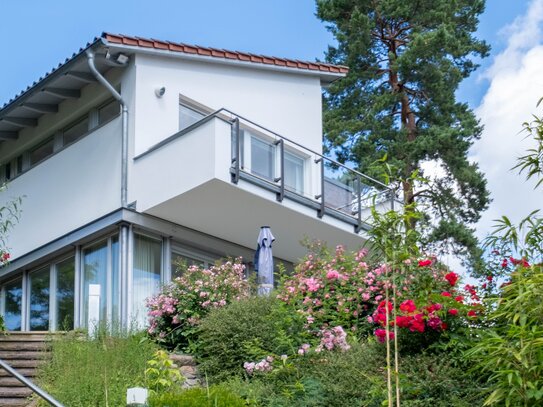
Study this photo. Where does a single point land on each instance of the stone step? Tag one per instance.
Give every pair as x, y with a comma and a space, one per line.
30, 363
24, 346
25, 337
11, 382
14, 392
16, 402
29, 372
26, 355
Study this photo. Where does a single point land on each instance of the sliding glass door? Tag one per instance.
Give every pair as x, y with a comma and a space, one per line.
146, 274
13, 305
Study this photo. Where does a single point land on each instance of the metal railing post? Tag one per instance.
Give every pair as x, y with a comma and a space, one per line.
358, 227
42, 393
281, 178
237, 154
320, 211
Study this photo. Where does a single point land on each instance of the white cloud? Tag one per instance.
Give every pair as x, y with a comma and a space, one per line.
516, 84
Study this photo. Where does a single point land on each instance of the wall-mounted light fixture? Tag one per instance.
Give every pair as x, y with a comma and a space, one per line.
159, 92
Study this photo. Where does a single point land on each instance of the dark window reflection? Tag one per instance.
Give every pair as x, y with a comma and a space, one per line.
12, 314
39, 300
65, 294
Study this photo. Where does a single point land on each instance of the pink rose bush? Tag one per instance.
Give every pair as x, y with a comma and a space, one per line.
332, 289
175, 312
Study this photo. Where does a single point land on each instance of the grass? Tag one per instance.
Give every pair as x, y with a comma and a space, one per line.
95, 372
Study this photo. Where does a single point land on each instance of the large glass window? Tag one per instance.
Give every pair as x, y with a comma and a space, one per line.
115, 285
95, 281
13, 305
188, 116
146, 274
39, 284
65, 274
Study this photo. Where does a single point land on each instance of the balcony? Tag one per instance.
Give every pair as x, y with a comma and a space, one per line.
226, 176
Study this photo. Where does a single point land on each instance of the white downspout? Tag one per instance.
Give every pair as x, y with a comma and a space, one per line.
123, 238
124, 141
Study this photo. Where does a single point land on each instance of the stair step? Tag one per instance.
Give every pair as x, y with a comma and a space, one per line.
13, 392
29, 372
11, 382
15, 402
24, 346
11, 355
25, 337
16, 364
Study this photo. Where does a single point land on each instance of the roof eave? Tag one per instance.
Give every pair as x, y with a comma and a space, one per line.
325, 77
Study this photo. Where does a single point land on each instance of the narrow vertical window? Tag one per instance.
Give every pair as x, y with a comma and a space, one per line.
13, 305
188, 116
65, 294
95, 277
39, 284
146, 274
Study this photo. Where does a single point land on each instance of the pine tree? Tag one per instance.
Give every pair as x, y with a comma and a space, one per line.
407, 59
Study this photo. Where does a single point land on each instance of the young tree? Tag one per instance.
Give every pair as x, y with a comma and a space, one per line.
406, 60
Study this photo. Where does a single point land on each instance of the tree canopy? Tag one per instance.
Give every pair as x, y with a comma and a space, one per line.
406, 60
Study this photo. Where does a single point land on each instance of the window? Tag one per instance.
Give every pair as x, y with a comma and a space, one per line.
294, 172
146, 274
39, 284
13, 305
76, 131
42, 151
188, 116
65, 284
108, 111
100, 282
262, 158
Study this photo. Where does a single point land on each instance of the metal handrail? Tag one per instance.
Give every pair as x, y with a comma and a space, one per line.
39, 391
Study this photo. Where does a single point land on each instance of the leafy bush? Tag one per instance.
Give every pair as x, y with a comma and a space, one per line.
215, 396
356, 378
97, 372
162, 375
176, 311
511, 352
243, 331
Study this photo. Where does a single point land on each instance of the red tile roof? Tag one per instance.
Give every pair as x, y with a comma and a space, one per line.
222, 53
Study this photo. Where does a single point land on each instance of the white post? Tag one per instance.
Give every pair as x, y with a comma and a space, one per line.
94, 308
136, 396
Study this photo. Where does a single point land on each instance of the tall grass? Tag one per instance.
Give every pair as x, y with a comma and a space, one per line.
95, 371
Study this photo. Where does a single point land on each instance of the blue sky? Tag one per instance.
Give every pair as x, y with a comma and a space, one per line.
38, 34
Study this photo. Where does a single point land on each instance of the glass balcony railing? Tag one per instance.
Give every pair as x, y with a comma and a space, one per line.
294, 171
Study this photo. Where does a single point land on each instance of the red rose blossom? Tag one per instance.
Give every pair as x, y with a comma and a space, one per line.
425, 263
459, 298
453, 311
445, 294
408, 306
472, 314
452, 278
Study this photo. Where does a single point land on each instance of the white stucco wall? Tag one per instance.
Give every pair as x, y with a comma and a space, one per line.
71, 188
287, 103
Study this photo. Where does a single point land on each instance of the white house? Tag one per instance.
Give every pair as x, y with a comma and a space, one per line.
134, 153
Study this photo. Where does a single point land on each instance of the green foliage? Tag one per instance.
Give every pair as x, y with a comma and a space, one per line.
95, 372
245, 330
214, 396
162, 375
406, 61
532, 162
511, 353
356, 378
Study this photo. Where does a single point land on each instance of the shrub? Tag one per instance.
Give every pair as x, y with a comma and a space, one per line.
215, 396
246, 330
97, 372
162, 375
176, 311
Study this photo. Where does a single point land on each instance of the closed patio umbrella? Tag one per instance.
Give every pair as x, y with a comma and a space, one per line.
263, 261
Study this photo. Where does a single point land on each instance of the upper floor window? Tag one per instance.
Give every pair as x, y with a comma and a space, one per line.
261, 158
75, 131
42, 151
188, 116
